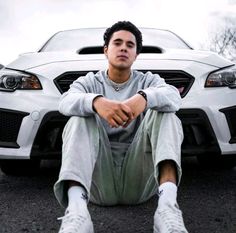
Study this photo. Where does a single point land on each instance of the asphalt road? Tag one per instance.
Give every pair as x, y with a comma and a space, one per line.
206, 197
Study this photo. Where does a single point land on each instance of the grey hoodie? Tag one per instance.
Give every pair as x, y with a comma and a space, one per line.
78, 100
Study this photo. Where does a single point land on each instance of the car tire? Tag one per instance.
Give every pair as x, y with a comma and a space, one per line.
20, 167
217, 161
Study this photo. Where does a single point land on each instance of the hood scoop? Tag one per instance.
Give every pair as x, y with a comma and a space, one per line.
99, 50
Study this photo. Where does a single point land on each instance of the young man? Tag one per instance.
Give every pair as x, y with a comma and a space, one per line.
123, 140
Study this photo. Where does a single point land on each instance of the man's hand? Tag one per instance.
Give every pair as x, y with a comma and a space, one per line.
137, 104
114, 112
119, 113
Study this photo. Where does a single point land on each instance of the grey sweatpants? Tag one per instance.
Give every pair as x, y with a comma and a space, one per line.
114, 173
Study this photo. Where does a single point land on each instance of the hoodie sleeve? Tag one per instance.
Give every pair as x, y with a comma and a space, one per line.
78, 100
160, 95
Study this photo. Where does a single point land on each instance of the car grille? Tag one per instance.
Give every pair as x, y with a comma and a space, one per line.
199, 137
48, 140
10, 122
179, 79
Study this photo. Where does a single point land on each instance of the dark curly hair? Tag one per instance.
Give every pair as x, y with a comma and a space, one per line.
127, 26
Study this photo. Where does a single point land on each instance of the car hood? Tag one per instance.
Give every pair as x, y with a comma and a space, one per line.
32, 60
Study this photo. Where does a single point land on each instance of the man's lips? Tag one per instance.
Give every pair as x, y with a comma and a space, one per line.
122, 56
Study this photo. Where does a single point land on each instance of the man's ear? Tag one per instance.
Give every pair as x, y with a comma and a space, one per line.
105, 50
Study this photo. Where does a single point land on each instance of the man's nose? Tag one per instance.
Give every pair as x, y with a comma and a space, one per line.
123, 47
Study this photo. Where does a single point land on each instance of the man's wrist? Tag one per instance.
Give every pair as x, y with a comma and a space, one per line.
94, 109
143, 94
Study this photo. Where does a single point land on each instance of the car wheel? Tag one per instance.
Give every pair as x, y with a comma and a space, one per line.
20, 167
217, 161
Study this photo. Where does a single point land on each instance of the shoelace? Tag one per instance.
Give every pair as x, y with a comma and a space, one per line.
71, 222
172, 217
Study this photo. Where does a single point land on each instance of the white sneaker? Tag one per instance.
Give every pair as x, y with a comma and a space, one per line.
169, 219
75, 223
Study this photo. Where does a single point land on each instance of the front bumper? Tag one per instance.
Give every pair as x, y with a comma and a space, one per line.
45, 138
199, 135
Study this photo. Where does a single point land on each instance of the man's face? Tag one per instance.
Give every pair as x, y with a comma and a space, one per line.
122, 49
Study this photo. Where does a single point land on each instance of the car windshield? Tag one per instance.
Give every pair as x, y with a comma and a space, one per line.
74, 40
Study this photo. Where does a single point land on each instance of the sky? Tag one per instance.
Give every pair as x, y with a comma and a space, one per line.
26, 24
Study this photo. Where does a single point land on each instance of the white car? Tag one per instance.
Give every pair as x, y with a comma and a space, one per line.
30, 88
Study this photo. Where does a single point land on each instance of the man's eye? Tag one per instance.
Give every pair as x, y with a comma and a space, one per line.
130, 45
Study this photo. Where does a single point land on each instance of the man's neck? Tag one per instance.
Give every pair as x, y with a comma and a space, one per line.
119, 76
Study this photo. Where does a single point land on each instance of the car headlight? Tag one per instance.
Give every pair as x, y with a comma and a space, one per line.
11, 80
222, 78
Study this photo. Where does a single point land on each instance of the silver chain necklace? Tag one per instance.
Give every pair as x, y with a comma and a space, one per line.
117, 86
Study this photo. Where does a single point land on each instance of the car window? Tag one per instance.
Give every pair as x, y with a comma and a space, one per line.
74, 40
163, 39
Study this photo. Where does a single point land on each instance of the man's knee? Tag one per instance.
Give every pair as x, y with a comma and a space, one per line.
172, 117
174, 124
77, 125
152, 119
78, 121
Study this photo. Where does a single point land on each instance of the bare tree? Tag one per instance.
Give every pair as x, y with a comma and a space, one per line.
223, 40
